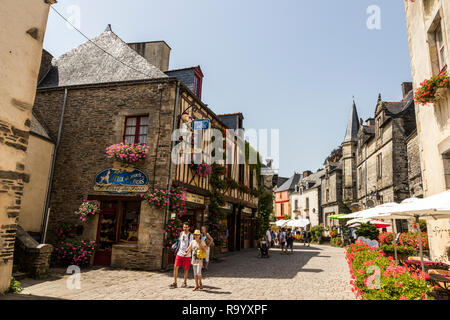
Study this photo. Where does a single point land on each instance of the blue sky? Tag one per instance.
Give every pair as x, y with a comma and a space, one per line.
291, 65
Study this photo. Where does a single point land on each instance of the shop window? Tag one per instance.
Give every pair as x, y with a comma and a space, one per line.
136, 129
130, 222
307, 202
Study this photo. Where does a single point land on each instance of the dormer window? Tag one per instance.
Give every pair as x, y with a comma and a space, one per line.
198, 81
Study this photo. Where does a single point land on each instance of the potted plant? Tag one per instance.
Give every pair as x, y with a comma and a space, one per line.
126, 155
88, 209
432, 90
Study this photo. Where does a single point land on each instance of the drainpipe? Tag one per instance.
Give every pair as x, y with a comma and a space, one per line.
44, 224
169, 183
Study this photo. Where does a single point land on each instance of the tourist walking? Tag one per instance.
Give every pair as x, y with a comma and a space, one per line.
275, 238
198, 248
181, 260
206, 237
289, 241
283, 241
308, 238
268, 236
304, 237
272, 234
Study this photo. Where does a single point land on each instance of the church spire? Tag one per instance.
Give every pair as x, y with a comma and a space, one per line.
353, 125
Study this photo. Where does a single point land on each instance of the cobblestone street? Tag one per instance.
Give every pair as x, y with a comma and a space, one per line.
318, 272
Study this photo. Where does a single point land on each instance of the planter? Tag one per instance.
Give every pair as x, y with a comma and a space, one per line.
121, 166
440, 94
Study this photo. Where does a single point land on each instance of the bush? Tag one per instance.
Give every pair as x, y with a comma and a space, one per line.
74, 251
385, 238
368, 231
336, 242
14, 286
395, 282
389, 248
317, 234
410, 239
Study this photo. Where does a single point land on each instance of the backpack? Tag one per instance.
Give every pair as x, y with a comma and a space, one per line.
176, 245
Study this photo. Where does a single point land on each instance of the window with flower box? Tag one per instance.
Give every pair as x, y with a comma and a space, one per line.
136, 129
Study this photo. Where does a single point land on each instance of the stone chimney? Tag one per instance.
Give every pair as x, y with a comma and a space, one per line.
370, 122
306, 173
155, 52
406, 88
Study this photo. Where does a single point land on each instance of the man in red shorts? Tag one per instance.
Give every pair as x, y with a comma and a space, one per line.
184, 240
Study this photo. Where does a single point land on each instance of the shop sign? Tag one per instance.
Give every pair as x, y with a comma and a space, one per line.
121, 181
195, 198
247, 210
200, 124
227, 206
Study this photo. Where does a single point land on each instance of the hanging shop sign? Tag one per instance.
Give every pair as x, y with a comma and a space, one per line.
195, 198
200, 124
247, 210
121, 181
227, 206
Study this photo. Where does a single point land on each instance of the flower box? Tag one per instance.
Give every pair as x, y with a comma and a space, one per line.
127, 154
440, 94
432, 90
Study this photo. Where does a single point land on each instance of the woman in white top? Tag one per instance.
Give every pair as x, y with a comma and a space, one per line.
197, 263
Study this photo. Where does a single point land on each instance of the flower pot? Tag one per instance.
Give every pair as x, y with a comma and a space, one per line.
440, 94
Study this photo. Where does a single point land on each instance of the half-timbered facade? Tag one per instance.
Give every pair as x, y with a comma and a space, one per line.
90, 101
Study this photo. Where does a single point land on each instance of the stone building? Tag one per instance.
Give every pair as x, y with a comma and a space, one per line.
331, 192
428, 29
382, 157
90, 100
307, 200
23, 24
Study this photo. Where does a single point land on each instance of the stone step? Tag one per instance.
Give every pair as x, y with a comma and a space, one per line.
19, 276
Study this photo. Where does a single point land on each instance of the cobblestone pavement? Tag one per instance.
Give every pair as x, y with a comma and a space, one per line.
318, 272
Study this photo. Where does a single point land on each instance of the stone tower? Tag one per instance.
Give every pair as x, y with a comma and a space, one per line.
349, 147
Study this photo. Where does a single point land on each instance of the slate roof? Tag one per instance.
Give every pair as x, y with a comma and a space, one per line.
281, 180
290, 184
398, 107
314, 178
88, 64
351, 134
38, 127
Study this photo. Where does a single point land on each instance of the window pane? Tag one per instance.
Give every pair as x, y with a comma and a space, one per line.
129, 139
130, 131
130, 222
143, 139
144, 121
131, 121
143, 130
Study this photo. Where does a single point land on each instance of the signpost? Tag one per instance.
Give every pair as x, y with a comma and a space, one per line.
200, 124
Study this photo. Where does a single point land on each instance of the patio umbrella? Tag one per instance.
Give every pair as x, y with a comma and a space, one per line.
357, 220
337, 216
280, 223
379, 224
436, 207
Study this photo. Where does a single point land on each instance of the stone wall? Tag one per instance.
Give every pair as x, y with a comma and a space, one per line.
23, 26
94, 119
433, 125
31, 257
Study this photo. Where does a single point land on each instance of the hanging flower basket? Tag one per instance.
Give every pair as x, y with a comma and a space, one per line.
88, 209
433, 90
160, 199
202, 170
127, 154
